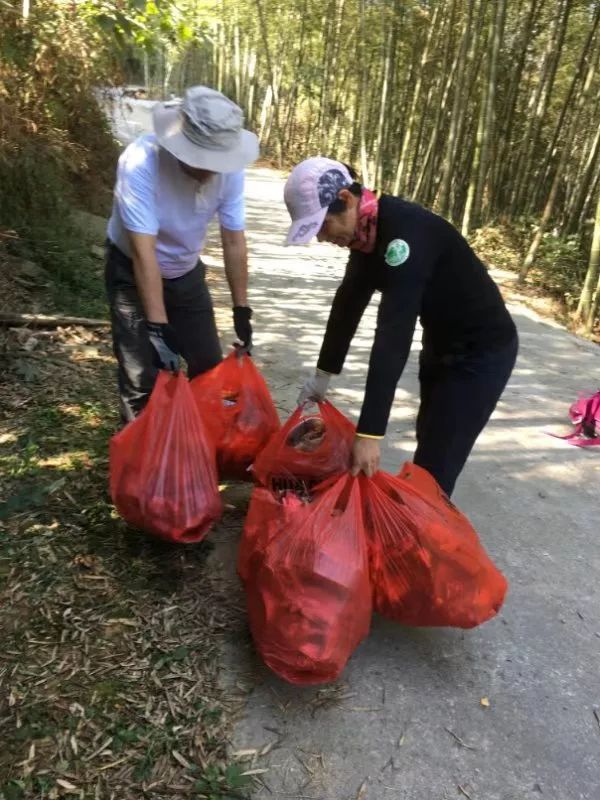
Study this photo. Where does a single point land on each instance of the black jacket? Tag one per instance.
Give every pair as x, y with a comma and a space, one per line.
440, 280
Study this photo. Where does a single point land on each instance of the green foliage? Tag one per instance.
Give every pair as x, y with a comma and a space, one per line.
228, 784
36, 196
500, 245
560, 267
166, 659
362, 81
56, 148
29, 498
560, 264
14, 790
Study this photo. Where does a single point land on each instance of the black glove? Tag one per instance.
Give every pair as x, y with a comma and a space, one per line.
243, 328
164, 341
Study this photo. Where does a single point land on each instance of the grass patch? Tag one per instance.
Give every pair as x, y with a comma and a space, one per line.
110, 661
56, 147
75, 275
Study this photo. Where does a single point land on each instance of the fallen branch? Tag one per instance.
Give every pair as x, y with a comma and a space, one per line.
46, 321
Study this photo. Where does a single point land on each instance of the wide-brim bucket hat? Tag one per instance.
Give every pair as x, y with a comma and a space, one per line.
205, 131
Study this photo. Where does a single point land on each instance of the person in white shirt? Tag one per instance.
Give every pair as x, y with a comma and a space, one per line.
170, 184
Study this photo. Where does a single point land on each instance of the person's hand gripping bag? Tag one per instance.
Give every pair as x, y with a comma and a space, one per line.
163, 476
313, 445
235, 403
428, 567
305, 571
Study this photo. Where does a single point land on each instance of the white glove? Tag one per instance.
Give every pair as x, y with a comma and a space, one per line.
315, 388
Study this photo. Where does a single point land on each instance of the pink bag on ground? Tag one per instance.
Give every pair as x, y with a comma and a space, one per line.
585, 415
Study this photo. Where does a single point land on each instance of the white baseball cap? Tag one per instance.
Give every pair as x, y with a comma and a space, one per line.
311, 188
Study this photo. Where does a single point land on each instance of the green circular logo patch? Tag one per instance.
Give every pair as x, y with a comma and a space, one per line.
397, 252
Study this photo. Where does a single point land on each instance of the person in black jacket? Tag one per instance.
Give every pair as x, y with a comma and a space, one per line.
424, 269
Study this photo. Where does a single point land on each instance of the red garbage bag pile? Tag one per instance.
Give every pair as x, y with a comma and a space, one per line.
305, 570
163, 477
311, 446
302, 555
428, 567
235, 404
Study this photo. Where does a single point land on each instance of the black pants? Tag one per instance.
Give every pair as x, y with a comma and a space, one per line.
458, 396
190, 312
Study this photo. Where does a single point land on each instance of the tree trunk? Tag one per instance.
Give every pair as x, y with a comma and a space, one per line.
244, 53
504, 165
265, 112
382, 108
146, 70
541, 175
458, 105
252, 69
49, 321
182, 81
328, 44
406, 139
402, 95
428, 184
589, 300
465, 135
583, 183
414, 178
356, 122
396, 67
275, 98
329, 139
168, 64
364, 159
221, 58
237, 64
467, 221
539, 106
566, 151
288, 126
587, 205
425, 189
489, 111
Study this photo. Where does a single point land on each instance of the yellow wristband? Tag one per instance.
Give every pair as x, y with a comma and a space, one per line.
368, 436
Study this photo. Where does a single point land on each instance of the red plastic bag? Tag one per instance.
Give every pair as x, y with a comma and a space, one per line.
428, 567
163, 476
305, 570
236, 405
311, 446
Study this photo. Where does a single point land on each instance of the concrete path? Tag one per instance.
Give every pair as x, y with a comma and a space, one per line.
406, 722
